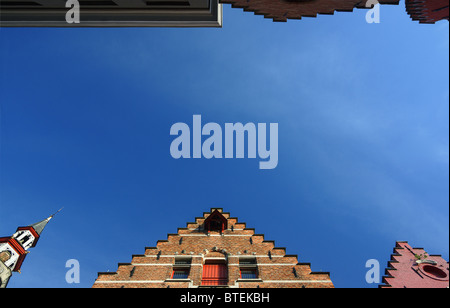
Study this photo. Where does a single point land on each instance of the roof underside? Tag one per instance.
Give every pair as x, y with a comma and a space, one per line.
112, 13
282, 10
429, 11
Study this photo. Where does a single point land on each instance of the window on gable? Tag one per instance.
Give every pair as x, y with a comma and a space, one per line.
215, 274
183, 261
216, 222
215, 225
248, 267
249, 274
180, 274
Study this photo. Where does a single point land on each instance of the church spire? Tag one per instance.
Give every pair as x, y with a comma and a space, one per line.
14, 249
39, 226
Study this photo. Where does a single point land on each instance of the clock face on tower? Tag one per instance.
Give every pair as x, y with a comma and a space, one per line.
5, 256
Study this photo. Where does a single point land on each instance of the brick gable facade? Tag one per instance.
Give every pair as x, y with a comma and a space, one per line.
427, 12
282, 10
204, 255
413, 268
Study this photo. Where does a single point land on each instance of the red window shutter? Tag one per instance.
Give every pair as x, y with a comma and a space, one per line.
215, 275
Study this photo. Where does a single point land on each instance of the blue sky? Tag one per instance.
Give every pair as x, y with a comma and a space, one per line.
363, 118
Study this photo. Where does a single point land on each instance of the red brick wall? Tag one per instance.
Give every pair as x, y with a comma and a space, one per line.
428, 11
405, 272
281, 10
154, 268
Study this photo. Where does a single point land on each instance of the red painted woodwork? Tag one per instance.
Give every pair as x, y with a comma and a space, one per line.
14, 244
33, 232
409, 268
215, 274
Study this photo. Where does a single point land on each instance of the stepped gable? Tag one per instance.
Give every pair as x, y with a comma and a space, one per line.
216, 250
428, 11
282, 10
414, 268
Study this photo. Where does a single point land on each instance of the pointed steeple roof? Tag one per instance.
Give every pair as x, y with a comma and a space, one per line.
39, 226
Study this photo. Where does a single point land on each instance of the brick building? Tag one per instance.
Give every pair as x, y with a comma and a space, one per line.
429, 11
424, 11
282, 10
214, 251
192, 13
413, 268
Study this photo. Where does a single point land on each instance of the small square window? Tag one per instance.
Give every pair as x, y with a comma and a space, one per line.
180, 274
249, 274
